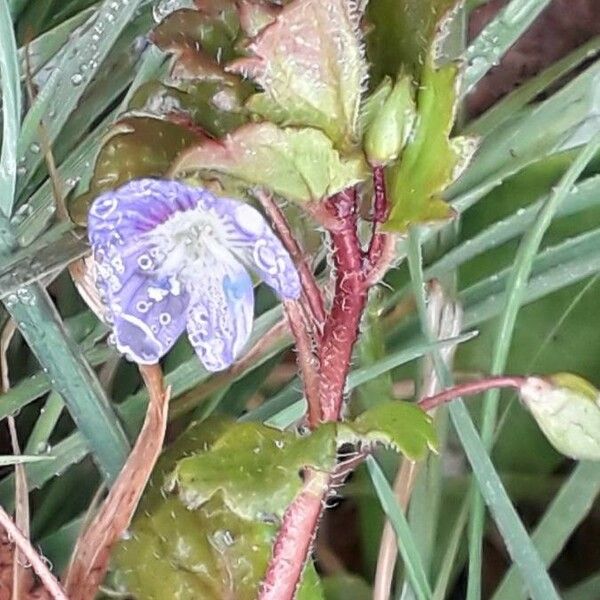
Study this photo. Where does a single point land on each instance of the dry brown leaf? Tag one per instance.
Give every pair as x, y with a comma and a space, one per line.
93, 549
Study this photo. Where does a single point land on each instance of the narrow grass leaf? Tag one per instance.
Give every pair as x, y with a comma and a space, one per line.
10, 87
497, 37
47, 46
45, 424
6, 461
568, 509
65, 87
70, 375
450, 555
514, 534
513, 299
581, 197
406, 544
66, 453
511, 103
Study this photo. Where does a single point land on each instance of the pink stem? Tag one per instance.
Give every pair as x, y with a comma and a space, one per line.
293, 542
380, 212
292, 545
306, 361
341, 327
310, 289
470, 388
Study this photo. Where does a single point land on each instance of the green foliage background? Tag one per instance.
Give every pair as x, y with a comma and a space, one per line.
80, 405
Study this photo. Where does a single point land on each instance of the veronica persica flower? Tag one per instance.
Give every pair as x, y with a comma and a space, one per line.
171, 257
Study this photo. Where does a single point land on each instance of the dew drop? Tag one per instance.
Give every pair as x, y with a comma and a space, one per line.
77, 79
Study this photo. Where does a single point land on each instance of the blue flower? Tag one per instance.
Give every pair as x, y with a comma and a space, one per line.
169, 257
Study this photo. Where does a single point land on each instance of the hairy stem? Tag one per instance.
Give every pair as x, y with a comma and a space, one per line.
294, 540
306, 361
310, 290
470, 388
341, 327
339, 216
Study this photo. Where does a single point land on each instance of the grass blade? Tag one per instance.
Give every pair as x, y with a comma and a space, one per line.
63, 91
44, 426
71, 376
515, 292
510, 104
6, 461
449, 559
585, 195
514, 534
497, 37
11, 110
568, 509
406, 544
586, 590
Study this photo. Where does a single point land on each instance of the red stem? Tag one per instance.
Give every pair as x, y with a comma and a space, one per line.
341, 327
339, 214
380, 213
296, 534
470, 388
310, 289
306, 361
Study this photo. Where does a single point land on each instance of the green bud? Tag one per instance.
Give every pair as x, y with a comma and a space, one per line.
567, 409
388, 132
374, 103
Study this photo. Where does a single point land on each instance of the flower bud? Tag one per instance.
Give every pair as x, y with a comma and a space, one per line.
567, 409
388, 132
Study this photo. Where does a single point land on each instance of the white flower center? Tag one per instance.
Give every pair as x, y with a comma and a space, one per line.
187, 242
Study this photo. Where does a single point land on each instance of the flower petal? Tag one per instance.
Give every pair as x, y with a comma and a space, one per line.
250, 237
147, 313
137, 207
221, 312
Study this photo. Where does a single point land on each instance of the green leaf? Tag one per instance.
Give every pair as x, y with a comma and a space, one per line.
431, 160
256, 468
214, 105
212, 31
403, 34
10, 87
311, 68
298, 164
131, 151
403, 426
210, 552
